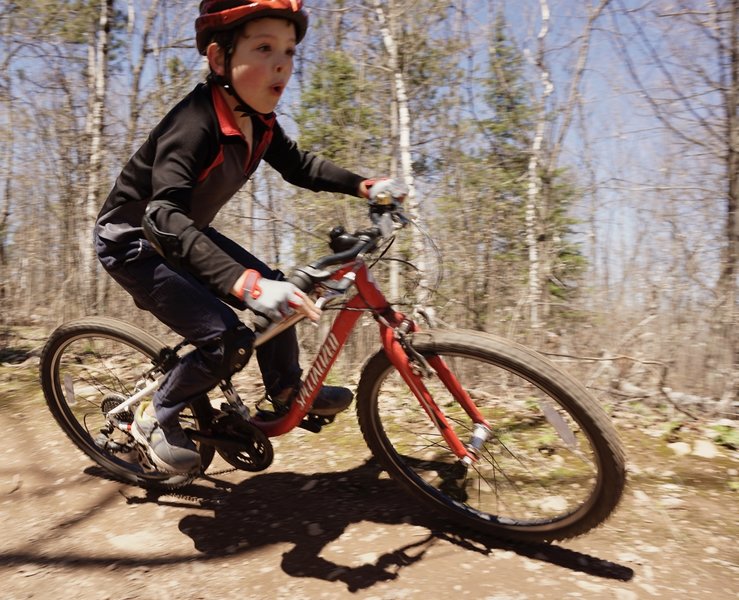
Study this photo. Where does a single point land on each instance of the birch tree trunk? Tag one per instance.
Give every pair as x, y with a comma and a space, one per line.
404, 142
543, 163
96, 123
7, 162
534, 180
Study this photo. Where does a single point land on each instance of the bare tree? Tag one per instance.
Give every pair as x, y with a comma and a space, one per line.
98, 81
137, 66
693, 52
544, 158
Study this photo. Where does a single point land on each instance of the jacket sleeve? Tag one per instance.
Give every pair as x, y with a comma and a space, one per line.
308, 170
182, 153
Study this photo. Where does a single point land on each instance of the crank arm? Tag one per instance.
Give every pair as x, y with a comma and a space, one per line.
217, 441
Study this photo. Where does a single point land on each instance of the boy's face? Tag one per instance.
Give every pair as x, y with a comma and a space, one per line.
262, 62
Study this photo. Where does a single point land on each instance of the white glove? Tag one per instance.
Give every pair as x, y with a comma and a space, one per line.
273, 299
383, 192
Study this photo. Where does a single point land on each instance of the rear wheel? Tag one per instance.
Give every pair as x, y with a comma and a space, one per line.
91, 365
552, 467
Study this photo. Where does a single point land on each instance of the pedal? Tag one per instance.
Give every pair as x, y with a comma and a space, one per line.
314, 423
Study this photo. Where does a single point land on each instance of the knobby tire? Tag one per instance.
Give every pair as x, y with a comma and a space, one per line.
553, 468
97, 359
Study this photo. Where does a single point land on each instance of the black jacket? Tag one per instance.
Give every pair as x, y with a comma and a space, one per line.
191, 164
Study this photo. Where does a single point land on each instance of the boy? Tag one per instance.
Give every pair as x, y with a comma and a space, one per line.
153, 233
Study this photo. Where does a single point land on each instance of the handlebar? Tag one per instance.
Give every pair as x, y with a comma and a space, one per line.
385, 211
348, 247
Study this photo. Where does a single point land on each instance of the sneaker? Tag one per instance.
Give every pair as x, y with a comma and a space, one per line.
330, 401
169, 447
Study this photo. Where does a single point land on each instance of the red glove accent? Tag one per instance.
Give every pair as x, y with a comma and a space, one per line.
273, 299
370, 182
251, 285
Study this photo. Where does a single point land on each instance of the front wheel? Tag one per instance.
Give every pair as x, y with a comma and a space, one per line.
552, 467
91, 365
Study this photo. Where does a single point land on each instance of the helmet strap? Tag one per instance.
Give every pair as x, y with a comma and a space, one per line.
225, 82
241, 106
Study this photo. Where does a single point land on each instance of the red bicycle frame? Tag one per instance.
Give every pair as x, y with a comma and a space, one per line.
370, 298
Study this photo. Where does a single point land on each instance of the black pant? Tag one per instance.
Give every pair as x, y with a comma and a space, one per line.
190, 309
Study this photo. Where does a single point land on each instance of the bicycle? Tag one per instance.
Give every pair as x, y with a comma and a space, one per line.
486, 432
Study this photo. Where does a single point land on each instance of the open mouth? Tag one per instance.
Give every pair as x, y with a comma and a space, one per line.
278, 88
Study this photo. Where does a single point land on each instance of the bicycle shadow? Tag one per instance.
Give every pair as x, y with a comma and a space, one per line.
313, 511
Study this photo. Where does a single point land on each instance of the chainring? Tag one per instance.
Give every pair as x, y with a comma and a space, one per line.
254, 453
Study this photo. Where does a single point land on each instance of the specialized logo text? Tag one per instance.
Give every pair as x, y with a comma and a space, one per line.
319, 369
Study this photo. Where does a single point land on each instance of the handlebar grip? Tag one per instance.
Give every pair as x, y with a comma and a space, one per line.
302, 281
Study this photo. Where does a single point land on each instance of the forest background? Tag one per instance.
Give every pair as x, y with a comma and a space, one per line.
575, 162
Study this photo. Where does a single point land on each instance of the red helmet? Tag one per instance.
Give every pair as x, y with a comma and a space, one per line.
222, 15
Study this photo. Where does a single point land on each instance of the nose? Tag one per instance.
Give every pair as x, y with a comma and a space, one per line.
283, 63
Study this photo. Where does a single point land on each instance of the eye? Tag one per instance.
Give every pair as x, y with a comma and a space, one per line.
291, 52
264, 48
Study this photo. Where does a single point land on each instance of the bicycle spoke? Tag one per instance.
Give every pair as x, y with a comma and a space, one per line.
536, 466
89, 367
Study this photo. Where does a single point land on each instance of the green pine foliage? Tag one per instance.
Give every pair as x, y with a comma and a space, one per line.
333, 120
485, 201
507, 99
568, 264
336, 121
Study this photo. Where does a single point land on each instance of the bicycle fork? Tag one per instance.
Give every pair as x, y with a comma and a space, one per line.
413, 367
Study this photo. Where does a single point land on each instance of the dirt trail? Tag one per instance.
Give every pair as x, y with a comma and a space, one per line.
320, 523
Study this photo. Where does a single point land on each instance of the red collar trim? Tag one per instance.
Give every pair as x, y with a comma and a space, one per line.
226, 119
